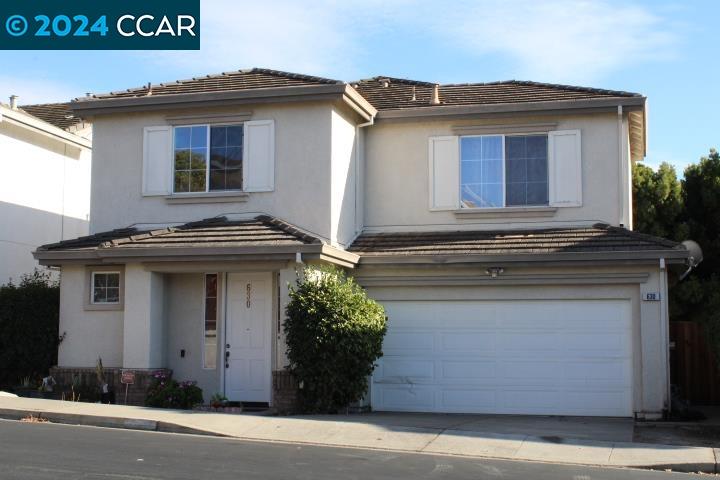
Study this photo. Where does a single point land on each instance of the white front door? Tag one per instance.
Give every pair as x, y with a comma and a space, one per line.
248, 337
543, 357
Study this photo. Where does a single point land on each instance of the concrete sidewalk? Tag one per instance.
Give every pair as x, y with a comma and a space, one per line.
574, 440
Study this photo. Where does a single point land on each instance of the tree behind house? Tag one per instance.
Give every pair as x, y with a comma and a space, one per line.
680, 210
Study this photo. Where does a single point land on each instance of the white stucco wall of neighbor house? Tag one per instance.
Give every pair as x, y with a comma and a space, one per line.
44, 196
397, 183
301, 193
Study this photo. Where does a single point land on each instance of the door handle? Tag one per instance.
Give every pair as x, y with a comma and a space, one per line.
227, 354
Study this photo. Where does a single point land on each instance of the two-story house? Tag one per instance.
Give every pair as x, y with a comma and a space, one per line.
45, 181
493, 221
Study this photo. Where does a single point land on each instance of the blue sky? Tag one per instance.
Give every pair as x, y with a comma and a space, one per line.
667, 50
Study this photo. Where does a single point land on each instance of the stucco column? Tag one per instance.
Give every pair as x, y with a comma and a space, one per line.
654, 345
143, 324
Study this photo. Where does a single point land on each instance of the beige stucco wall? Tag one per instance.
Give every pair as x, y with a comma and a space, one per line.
185, 330
344, 175
89, 334
650, 344
302, 170
396, 191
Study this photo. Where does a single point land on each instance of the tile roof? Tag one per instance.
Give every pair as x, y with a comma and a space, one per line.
226, 81
212, 232
57, 114
598, 238
386, 93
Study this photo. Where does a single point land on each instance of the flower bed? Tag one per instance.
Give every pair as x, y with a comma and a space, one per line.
165, 392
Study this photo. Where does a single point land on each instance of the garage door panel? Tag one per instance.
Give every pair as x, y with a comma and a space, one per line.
467, 371
535, 357
399, 370
405, 398
471, 341
451, 315
399, 342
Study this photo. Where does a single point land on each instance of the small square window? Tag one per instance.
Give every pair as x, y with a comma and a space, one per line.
105, 288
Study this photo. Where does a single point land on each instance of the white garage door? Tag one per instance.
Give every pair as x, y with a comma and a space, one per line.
551, 357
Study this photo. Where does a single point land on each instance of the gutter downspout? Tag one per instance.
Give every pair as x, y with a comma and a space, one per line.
621, 167
360, 174
664, 318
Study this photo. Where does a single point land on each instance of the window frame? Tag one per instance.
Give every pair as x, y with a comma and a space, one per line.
504, 174
207, 190
218, 277
92, 287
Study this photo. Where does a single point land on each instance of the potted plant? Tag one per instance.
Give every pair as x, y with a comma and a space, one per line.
46, 387
107, 394
218, 400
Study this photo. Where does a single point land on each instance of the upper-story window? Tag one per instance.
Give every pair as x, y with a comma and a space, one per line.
208, 158
503, 171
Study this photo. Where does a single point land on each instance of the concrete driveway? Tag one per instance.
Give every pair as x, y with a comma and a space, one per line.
548, 427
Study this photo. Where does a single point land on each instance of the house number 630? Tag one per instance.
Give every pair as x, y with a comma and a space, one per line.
248, 290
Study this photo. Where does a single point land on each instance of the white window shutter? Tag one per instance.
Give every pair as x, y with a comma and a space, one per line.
565, 168
444, 173
157, 160
259, 156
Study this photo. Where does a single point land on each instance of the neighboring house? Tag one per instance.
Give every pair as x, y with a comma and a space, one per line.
492, 220
45, 182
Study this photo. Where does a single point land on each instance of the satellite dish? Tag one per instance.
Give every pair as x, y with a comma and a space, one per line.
696, 255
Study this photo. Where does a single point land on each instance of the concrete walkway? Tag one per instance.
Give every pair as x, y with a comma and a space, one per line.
575, 440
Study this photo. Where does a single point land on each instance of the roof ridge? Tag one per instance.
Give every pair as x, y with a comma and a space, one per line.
287, 228
267, 71
405, 81
642, 236
299, 76
576, 88
51, 104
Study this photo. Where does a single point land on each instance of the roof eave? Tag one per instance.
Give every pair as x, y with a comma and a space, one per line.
144, 254
671, 256
42, 127
90, 107
556, 106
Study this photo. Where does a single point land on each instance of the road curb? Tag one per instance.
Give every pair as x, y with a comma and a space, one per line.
169, 427
106, 422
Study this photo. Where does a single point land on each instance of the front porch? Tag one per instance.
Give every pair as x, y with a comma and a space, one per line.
204, 301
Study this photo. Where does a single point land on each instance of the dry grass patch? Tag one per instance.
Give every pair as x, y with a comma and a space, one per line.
34, 419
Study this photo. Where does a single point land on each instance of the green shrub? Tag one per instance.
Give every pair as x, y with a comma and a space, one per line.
164, 392
29, 313
334, 336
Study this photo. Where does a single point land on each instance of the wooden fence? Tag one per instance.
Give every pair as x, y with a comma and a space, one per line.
692, 364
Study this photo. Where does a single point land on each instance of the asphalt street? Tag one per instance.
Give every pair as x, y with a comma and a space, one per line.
53, 451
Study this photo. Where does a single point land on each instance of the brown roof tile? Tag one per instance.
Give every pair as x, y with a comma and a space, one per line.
599, 238
57, 114
398, 93
213, 232
226, 81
